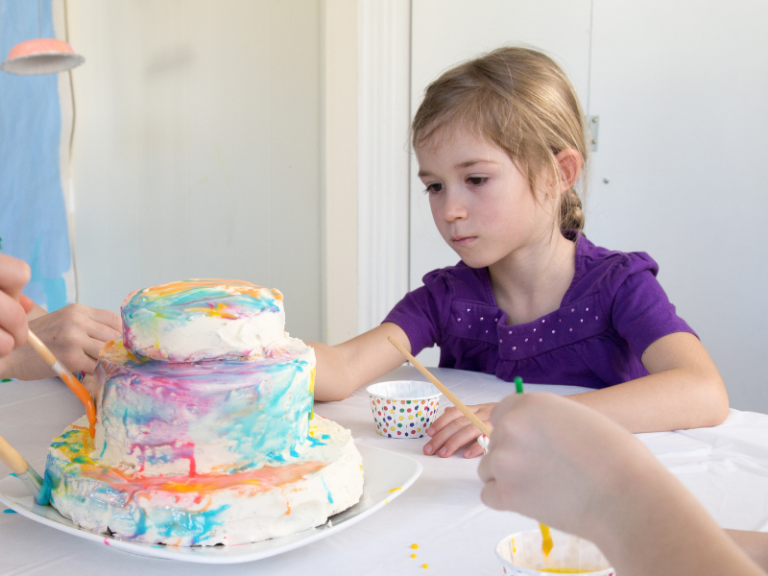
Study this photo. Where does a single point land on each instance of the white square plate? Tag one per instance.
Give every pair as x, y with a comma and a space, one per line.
387, 475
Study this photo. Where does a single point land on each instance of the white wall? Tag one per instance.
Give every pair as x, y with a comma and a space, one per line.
197, 147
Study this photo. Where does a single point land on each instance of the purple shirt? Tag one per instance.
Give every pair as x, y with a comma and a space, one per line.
612, 311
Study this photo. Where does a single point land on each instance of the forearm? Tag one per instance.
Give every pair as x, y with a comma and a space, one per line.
675, 399
754, 544
343, 368
655, 526
332, 378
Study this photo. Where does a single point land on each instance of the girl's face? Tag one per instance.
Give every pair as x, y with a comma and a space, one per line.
482, 204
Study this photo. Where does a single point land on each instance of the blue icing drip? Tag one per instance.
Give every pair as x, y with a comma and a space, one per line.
9, 511
13, 474
174, 522
44, 496
325, 436
276, 456
315, 442
294, 453
141, 524
330, 498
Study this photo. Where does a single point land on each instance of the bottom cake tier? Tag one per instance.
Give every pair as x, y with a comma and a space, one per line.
232, 507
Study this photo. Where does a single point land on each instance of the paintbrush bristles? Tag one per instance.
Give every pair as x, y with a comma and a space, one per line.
440, 386
11, 458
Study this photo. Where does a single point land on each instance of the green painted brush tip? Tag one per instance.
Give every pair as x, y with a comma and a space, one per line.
518, 384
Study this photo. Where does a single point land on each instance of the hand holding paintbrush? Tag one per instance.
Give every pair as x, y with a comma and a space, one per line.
547, 539
14, 330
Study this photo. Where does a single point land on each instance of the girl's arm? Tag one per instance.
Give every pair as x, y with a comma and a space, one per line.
684, 390
343, 368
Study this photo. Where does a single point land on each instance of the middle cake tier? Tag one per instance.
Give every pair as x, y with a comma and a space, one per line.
200, 417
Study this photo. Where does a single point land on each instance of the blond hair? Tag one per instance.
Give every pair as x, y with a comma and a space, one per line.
520, 100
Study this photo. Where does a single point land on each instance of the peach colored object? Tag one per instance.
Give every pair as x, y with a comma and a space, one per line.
41, 56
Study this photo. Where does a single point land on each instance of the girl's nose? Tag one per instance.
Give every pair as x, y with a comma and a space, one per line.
454, 208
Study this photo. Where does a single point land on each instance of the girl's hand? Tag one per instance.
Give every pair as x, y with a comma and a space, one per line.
74, 334
453, 430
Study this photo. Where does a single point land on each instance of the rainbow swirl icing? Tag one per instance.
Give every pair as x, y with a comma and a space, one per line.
202, 319
324, 478
221, 450
199, 417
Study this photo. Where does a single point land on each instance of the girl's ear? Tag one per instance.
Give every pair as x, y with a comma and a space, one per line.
570, 167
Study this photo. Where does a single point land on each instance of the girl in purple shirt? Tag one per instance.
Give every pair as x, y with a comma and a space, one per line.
501, 148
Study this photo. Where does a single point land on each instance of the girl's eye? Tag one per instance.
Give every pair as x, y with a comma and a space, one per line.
434, 188
477, 180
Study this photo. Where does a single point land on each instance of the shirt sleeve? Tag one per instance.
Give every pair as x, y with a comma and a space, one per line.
418, 314
642, 313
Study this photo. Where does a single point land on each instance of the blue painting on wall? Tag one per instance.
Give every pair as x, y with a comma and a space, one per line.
33, 218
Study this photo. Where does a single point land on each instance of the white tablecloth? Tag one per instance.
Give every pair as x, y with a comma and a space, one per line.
726, 467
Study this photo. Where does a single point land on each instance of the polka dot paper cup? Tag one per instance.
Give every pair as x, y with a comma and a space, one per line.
521, 555
403, 408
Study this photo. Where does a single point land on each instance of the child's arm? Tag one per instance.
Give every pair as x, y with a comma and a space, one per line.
572, 469
755, 544
684, 390
343, 368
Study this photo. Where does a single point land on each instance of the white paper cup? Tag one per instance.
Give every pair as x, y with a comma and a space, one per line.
521, 555
403, 408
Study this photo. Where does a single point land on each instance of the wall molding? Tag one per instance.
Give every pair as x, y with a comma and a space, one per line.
384, 71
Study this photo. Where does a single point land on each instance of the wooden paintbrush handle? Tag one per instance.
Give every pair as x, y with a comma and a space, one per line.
41, 349
440, 386
11, 458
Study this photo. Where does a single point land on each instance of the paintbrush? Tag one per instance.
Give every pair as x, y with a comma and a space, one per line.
19, 466
448, 394
72, 383
546, 545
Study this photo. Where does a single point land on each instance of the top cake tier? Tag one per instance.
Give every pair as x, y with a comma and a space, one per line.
202, 319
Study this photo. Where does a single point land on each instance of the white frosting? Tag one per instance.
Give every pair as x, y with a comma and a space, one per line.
202, 337
202, 319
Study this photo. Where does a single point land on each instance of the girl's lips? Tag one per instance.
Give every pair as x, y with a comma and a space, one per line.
463, 240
